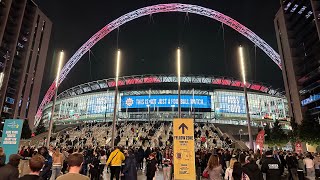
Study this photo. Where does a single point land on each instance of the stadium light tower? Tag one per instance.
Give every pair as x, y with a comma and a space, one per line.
61, 57
243, 72
179, 81
115, 98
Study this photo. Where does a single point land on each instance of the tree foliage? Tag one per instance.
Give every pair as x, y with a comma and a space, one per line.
40, 128
26, 131
276, 135
309, 131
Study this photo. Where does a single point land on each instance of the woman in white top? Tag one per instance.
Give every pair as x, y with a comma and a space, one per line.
229, 170
309, 166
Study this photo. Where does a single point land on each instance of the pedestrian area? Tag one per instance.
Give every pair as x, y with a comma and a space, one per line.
142, 176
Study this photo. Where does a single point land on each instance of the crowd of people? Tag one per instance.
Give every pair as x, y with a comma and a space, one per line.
215, 158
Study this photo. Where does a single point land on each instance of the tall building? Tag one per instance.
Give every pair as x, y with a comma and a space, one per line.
297, 25
24, 38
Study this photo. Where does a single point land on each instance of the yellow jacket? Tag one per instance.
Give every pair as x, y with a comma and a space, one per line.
116, 158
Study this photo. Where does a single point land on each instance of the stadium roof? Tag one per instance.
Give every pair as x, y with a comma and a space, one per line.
124, 81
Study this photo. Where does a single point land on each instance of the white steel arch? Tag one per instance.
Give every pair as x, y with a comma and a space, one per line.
173, 7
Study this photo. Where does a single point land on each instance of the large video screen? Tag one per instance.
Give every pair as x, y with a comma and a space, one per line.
231, 104
165, 101
100, 104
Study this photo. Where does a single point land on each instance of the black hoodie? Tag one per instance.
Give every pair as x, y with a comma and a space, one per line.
252, 170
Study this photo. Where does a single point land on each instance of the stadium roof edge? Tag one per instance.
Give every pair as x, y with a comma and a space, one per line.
109, 83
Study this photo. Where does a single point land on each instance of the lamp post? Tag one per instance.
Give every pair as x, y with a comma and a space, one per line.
179, 82
240, 130
61, 56
115, 99
243, 72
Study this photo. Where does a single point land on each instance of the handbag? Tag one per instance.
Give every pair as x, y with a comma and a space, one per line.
205, 174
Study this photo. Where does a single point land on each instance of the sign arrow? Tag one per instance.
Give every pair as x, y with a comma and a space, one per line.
183, 126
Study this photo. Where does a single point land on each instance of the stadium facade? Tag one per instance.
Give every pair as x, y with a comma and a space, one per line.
154, 98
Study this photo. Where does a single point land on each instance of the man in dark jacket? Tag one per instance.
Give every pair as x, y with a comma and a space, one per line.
10, 171
292, 163
252, 169
271, 167
129, 171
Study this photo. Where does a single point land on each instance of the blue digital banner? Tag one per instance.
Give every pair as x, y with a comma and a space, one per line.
231, 104
165, 101
311, 99
11, 135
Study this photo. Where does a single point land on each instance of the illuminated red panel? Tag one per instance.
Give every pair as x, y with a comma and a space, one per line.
111, 84
248, 85
226, 82
121, 83
216, 81
151, 80
264, 89
236, 83
255, 87
133, 81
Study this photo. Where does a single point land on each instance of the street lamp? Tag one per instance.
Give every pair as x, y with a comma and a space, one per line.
61, 57
115, 98
179, 81
240, 130
243, 72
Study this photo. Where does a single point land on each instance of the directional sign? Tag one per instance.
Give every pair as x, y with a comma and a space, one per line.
183, 149
183, 126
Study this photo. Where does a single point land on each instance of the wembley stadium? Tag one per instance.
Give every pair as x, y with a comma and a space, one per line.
154, 98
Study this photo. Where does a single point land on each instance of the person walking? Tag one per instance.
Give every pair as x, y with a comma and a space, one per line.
252, 169
271, 167
10, 170
2, 157
292, 164
167, 161
214, 168
308, 162
57, 162
75, 162
115, 160
229, 170
35, 164
317, 165
151, 166
129, 171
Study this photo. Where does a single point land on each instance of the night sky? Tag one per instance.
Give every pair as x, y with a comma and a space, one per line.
149, 43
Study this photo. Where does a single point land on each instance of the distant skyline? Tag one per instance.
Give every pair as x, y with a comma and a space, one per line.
148, 44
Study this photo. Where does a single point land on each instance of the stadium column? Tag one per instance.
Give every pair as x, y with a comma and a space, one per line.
241, 57
61, 56
115, 99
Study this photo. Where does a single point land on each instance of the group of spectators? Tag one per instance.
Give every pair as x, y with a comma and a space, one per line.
245, 165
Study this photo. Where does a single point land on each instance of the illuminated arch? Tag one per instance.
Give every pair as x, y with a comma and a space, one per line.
174, 7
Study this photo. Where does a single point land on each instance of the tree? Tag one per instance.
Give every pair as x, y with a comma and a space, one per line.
278, 136
267, 132
26, 131
309, 130
40, 128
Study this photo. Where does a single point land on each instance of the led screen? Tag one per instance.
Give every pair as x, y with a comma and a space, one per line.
165, 101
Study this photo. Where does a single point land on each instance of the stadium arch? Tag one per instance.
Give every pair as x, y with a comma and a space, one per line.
160, 8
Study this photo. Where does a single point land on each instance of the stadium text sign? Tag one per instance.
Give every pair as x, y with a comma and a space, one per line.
166, 101
183, 149
11, 136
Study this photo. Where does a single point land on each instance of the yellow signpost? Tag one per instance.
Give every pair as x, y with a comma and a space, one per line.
183, 149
